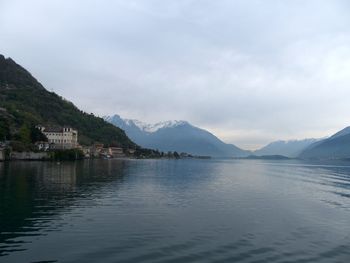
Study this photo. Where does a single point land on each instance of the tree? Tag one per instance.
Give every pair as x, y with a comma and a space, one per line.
36, 135
24, 134
4, 130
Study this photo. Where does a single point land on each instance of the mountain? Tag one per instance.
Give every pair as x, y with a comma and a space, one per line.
178, 136
340, 133
24, 103
290, 148
335, 147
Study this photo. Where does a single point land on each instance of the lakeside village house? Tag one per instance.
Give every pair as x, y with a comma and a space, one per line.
58, 138
67, 138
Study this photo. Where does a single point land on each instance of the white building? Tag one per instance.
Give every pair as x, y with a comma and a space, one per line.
42, 146
61, 138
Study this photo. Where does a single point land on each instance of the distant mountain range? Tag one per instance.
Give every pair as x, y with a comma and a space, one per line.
290, 148
178, 136
335, 147
181, 136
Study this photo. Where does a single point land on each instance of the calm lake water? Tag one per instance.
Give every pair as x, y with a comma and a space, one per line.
174, 211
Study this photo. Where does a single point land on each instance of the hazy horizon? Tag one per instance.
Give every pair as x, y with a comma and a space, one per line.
160, 122
250, 72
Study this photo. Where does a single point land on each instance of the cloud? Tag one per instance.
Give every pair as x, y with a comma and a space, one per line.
251, 71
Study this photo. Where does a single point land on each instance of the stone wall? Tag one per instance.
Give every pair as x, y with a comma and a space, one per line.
28, 155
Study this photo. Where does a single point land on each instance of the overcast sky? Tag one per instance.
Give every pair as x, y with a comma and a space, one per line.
249, 71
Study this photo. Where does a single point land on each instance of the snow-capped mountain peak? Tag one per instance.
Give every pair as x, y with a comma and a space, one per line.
145, 127
175, 135
150, 128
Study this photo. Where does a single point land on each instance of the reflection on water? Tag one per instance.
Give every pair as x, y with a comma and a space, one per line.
174, 211
32, 192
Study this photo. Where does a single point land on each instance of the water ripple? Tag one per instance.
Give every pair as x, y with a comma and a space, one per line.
169, 211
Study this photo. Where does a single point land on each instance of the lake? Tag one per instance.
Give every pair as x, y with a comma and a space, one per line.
174, 211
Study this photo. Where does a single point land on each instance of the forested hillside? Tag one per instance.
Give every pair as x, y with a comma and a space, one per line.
24, 103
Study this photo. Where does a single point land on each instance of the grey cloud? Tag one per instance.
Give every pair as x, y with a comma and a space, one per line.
252, 71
